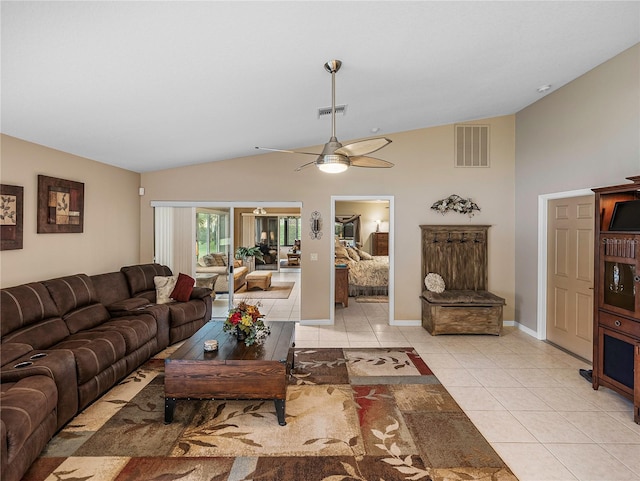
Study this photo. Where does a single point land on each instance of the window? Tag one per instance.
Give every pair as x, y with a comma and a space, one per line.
266, 231
290, 230
211, 230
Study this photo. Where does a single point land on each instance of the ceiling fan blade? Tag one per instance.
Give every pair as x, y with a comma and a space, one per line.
305, 165
363, 147
287, 151
362, 161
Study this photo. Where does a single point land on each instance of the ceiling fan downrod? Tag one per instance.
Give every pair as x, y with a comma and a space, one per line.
332, 66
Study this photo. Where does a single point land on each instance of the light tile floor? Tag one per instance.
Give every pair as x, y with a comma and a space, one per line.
525, 396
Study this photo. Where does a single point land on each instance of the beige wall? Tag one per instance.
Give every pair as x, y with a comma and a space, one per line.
423, 173
111, 234
586, 134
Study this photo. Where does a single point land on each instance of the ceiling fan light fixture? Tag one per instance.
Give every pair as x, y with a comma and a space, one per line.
335, 157
332, 163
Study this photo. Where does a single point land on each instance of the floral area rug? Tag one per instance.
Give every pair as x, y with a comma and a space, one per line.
352, 414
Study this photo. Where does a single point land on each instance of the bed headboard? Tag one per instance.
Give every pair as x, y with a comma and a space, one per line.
458, 253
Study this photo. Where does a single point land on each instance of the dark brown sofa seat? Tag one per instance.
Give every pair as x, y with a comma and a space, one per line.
112, 290
185, 317
28, 420
106, 349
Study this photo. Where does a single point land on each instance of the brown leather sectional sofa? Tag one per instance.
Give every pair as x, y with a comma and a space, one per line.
67, 341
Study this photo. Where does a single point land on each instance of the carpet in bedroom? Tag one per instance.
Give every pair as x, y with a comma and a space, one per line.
352, 414
372, 299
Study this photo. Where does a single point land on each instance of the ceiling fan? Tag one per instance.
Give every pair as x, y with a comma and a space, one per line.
336, 157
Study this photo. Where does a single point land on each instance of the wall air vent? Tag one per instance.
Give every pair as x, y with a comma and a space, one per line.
326, 111
472, 145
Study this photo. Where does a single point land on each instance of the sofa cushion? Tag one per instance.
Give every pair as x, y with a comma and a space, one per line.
86, 317
208, 261
94, 351
23, 305
215, 259
212, 270
164, 288
41, 335
111, 287
136, 331
184, 286
24, 407
140, 277
71, 292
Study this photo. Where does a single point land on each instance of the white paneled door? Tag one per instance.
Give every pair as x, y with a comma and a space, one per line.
570, 274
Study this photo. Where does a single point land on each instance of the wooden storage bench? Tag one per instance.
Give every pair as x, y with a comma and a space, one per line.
458, 253
462, 312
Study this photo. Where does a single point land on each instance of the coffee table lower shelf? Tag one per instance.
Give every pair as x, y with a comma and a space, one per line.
234, 371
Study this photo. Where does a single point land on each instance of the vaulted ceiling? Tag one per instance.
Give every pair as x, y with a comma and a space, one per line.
153, 85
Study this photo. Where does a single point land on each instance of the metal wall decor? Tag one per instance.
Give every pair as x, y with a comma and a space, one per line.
316, 225
455, 203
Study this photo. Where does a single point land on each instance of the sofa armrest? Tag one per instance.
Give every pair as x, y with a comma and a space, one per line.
58, 364
22, 369
128, 305
200, 292
10, 351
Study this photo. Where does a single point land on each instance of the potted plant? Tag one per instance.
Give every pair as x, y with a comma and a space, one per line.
245, 253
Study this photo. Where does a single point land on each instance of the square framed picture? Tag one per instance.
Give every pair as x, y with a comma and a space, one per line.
60, 206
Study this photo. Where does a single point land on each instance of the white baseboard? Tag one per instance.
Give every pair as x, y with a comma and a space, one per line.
406, 322
315, 322
526, 330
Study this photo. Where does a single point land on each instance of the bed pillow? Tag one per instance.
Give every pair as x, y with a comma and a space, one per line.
364, 256
434, 283
164, 288
353, 254
342, 252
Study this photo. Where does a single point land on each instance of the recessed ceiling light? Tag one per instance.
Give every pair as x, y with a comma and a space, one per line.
543, 88
375, 130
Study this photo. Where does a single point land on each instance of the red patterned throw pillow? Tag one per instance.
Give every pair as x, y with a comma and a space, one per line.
183, 289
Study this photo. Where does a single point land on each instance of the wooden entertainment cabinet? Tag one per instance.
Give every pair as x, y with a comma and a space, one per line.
616, 336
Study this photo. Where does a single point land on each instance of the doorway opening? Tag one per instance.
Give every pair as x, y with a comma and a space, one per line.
362, 259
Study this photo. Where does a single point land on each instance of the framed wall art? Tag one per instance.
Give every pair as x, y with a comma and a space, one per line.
11, 223
60, 206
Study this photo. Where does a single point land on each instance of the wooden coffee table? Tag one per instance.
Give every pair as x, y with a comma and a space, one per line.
234, 371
